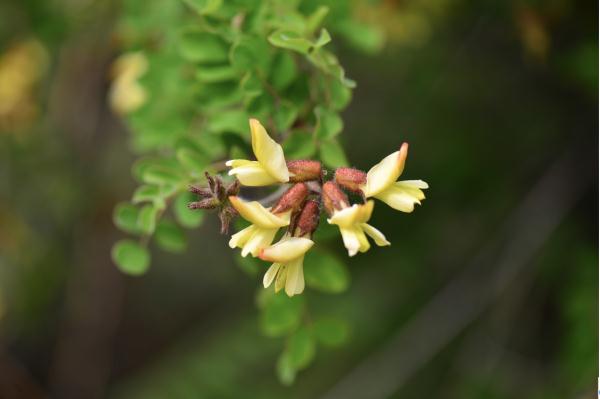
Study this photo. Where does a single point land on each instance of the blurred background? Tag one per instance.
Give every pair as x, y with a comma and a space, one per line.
488, 291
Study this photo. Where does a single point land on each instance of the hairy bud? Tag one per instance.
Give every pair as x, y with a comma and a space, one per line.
292, 199
308, 220
203, 192
215, 196
205, 203
304, 170
334, 198
351, 179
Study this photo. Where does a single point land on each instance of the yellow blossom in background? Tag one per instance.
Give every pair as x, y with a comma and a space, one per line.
21, 68
352, 222
381, 183
270, 166
126, 93
287, 269
263, 229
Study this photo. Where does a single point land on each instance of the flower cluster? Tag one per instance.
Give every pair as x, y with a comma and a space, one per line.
298, 208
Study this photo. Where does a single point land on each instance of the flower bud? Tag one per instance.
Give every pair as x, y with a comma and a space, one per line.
203, 192
292, 199
308, 220
304, 170
334, 198
205, 203
351, 179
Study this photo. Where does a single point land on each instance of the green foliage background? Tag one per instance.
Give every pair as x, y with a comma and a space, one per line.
491, 97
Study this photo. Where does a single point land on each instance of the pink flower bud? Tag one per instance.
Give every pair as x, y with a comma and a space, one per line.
351, 179
292, 199
308, 220
304, 170
334, 198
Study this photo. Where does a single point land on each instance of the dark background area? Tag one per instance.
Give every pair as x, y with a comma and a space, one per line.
488, 291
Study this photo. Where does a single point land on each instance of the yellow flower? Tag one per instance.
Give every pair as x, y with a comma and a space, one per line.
288, 264
261, 232
126, 94
381, 183
270, 166
352, 222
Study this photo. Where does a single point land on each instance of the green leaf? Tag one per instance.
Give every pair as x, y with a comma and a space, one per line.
211, 74
185, 216
329, 123
249, 54
125, 217
235, 121
328, 63
363, 37
251, 85
286, 373
142, 165
219, 95
323, 38
290, 40
170, 237
339, 94
211, 144
192, 160
315, 19
130, 257
204, 7
147, 193
299, 144
202, 47
325, 272
147, 219
281, 315
286, 115
332, 154
301, 348
160, 175
283, 71
331, 331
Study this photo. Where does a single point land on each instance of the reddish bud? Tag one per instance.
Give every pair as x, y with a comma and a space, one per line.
351, 179
291, 199
304, 170
334, 198
308, 220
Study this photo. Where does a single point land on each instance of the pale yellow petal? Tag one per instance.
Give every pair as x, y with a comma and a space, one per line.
362, 239
294, 281
271, 274
386, 172
251, 173
345, 217
255, 213
414, 183
234, 163
351, 240
261, 238
401, 197
365, 211
241, 237
357, 213
281, 277
286, 250
268, 152
375, 234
